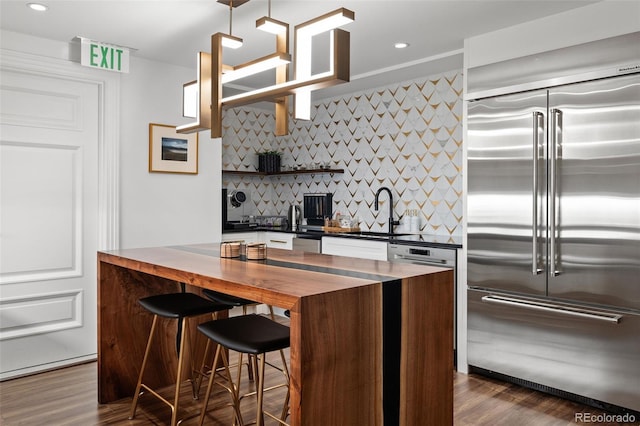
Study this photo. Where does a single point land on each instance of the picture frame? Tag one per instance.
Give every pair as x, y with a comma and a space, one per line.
172, 152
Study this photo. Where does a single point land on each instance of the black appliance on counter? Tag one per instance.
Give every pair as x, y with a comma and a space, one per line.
317, 207
235, 212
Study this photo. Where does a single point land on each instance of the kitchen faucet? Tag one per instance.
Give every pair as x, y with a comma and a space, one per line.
391, 221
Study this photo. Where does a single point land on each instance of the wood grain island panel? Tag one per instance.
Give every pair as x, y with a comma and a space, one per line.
371, 341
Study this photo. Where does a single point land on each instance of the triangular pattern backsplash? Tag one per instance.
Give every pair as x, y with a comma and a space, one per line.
406, 136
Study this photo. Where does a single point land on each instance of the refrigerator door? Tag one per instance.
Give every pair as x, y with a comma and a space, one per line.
584, 351
594, 138
507, 193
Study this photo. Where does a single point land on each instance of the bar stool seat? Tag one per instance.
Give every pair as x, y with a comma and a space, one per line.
180, 306
227, 299
235, 302
254, 335
249, 334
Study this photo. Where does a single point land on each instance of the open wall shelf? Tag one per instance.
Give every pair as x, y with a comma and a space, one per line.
288, 172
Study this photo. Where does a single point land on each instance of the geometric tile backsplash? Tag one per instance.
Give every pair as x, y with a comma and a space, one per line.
406, 136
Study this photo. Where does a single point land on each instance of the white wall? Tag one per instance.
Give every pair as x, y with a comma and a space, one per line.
163, 208
594, 22
154, 208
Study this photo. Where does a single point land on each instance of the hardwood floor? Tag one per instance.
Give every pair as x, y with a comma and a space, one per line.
69, 397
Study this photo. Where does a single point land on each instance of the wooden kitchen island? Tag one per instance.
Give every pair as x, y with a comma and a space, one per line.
371, 341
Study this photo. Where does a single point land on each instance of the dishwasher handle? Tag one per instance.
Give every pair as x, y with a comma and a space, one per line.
422, 260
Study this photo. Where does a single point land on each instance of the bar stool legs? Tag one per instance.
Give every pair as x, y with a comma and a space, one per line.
252, 335
184, 340
180, 307
202, 373
137, 393
234, 391
261, 389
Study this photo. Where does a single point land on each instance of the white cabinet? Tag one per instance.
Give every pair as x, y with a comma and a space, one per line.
279, 240
354, 247
350, 247
245, 237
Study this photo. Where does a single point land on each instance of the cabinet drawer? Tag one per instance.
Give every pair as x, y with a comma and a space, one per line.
549, 347
279, 240
245, 237
353, 247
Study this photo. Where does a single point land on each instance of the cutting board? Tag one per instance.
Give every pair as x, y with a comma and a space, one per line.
337, 229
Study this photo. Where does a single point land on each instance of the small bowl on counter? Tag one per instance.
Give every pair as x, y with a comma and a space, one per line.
230, 249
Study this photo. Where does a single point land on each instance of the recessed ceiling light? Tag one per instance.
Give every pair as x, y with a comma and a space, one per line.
401, 45
37, 6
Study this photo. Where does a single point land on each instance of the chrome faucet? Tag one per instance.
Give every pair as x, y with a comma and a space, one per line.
391, 221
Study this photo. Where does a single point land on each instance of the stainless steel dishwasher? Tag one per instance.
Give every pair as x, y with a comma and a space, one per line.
311, 244
430, 256
422, 255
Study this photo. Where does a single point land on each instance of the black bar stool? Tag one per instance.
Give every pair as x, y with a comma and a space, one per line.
253, 335
227, 299
235, 302
180, 306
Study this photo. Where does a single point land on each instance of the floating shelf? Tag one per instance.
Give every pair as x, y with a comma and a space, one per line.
288, 172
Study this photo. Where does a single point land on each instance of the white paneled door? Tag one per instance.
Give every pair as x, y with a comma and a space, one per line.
49, 135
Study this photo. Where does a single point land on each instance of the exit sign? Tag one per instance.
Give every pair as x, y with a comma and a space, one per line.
104, 56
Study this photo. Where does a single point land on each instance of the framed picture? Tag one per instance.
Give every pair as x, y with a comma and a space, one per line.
172, 152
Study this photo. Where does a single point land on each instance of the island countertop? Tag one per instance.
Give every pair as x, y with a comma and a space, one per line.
385, 329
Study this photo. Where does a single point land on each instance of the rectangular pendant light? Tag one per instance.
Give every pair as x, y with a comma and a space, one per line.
201, 88
304, 32
231, 42
271, 25
326, 22
254, 67
209, 109
190, 99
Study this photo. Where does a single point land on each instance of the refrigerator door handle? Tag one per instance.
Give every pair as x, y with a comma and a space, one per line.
555, 155
535, 259
553, 308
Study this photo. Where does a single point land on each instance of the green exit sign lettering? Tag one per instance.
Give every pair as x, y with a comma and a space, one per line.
104, 56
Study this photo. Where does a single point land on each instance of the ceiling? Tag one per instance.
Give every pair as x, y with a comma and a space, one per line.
173, 31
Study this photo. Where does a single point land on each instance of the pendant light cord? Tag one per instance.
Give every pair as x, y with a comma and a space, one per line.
230, 17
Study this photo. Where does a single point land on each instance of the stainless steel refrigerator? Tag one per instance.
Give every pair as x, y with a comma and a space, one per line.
554, 239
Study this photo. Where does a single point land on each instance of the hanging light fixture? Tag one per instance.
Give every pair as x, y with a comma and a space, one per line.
328, 22
229, 40
278, 59
267, 24
281, 31
212, 73
255, 67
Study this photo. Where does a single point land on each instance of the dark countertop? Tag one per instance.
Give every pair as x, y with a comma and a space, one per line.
426, 240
